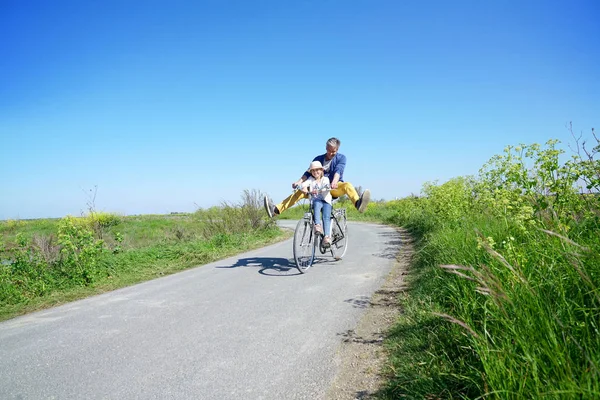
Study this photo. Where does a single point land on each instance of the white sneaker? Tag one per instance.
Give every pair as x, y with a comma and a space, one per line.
363, 202
269, 206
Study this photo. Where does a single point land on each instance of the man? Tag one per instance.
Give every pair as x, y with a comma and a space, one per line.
333, 166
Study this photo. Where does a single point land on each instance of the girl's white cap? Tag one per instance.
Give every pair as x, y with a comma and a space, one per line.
315, 165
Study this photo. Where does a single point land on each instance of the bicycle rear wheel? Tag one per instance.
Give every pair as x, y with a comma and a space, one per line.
304, 245
339, 232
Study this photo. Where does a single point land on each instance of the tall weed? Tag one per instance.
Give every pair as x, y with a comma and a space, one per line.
244, 217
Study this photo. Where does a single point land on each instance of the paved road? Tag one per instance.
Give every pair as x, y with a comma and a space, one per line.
247, 327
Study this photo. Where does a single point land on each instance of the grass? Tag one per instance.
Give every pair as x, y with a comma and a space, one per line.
29, 228
429, 358
49, 262
513, 313
145, 263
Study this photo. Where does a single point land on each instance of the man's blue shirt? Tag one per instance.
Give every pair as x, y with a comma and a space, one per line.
338, 163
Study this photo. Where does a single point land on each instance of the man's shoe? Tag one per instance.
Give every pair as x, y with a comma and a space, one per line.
269, 206
363, 202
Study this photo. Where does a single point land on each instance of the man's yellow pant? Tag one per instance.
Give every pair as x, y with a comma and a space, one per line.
344, 188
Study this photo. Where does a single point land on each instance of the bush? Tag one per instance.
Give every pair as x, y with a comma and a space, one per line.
24, 273
80, 252
30, 269
104, 219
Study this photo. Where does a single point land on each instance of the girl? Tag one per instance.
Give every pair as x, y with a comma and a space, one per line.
320, 188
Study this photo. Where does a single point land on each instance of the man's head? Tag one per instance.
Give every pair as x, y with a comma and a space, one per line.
332, 146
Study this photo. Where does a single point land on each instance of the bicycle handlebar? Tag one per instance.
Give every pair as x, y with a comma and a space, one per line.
310, 193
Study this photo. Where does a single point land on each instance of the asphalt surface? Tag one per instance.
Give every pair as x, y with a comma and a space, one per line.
246, 327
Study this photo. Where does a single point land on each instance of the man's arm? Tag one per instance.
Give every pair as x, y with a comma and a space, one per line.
339, 170
335, 180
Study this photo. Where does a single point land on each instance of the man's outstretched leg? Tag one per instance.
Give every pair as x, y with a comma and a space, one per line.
284, 205
346, 188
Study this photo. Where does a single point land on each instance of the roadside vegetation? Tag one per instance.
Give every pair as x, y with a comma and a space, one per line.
51, 261
504, 298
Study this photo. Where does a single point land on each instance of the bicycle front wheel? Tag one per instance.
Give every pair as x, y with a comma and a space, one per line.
339, 243
304, 246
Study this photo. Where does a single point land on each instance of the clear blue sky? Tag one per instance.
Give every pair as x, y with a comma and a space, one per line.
169, 105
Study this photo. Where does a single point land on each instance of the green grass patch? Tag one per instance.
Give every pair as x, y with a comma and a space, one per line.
48, 262
504, 298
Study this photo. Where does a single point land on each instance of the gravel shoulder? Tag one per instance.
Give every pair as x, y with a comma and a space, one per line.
362, 356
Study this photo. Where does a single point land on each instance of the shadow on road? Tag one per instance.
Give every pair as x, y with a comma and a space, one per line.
351, 336
359, 302
393, 242
272, 266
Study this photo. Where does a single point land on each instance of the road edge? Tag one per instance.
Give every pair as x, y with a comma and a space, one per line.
361, 353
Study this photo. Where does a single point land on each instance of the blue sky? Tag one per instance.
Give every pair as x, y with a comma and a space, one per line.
169, 105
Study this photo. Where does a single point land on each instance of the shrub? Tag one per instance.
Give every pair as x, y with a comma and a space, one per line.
104, 219
11, 224
24, 273
80, 251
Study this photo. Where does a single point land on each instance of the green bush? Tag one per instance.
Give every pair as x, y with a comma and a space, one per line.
24, 273
80, 252
104, 219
